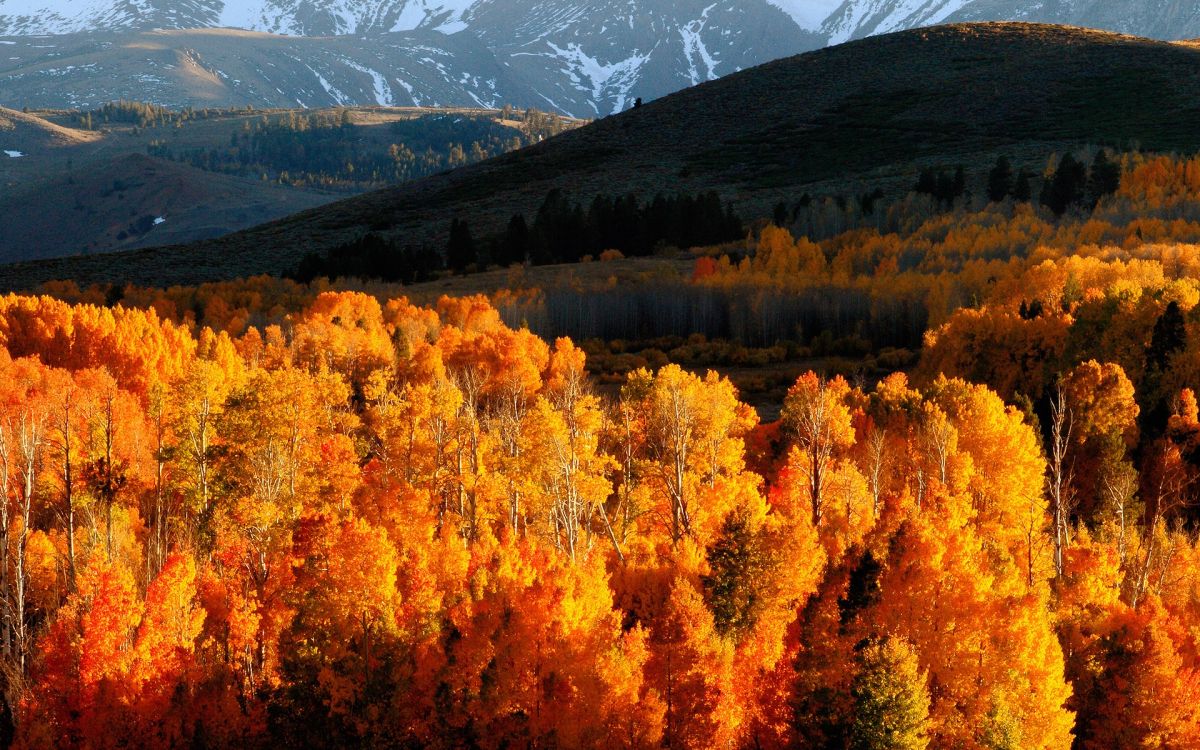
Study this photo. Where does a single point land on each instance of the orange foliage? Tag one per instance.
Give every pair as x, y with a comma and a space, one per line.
388, 524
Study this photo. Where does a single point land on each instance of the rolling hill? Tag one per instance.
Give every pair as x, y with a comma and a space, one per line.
67, 191
144, 176
137, 201
865, 113
23, 132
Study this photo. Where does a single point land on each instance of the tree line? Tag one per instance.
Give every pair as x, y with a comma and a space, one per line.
328, 149
145, 115
1069, 183
562, 232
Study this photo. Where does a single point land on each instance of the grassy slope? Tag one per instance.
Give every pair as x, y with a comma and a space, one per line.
59, 199
91, 210
837, 119
75, 191
26, 132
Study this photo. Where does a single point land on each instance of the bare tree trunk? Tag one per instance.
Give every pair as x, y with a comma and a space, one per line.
160, 511
1166, 562
110, 479
31, 443
1169, 493
68, 483
6, 596
877, 458
677, 436
612, 537
201, 443
1120, 488
937, 434
1059, 479
811, 425
1143, 578
512, 415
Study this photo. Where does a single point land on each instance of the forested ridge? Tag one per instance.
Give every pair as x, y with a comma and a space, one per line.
350, 149
265, 513
330, 150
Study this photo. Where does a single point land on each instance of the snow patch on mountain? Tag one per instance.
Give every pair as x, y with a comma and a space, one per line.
907, 13
50, 17
383, 92
346, 16
330, 89
408, 88
859, 18
243, 14
598, 79
446, 16
695, 52
808, 14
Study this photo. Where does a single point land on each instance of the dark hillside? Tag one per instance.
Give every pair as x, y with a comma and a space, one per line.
867, 112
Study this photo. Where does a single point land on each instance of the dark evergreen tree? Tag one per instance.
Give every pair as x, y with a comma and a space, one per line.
867, 201
739, 566
780, 216
1023, 189
959, 186
1000, 180
461, 252
515, 246
945, 188
558, 230
1066, 187
891, 700
563, 231
1168, 339
370, 257
863, 589
942, 186
1103, 179
927, 182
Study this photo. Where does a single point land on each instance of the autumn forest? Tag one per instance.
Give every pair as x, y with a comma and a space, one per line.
268, 513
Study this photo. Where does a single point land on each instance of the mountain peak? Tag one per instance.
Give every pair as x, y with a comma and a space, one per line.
587, 58
808, 14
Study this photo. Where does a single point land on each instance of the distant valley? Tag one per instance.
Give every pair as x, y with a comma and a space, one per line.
131, 176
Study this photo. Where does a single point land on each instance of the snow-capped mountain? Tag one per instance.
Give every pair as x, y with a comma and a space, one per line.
593, 62
582, 57
858, 18
1163, 19
306, 18
207, 68
1159, 19
23, 17
808, 14
294, 17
